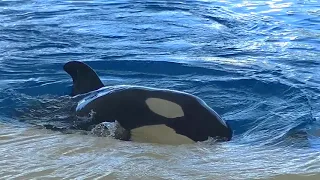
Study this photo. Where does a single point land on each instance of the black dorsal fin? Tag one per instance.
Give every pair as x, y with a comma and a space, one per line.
85, 79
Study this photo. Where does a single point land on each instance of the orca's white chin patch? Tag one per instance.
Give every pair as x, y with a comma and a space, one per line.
160, 134
164, 108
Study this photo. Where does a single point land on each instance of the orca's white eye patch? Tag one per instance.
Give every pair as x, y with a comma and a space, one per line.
164, 107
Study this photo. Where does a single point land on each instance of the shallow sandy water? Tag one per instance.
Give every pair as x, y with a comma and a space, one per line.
42, 154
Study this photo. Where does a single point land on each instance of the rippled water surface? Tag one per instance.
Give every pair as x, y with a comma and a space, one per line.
256, 63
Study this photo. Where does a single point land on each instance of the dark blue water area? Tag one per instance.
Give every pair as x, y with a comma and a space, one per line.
255, 63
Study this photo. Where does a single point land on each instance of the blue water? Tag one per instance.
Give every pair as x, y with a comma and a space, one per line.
255, 63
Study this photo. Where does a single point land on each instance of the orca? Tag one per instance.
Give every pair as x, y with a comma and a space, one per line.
147, 114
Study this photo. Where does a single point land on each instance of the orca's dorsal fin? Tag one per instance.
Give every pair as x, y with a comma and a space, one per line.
84, 78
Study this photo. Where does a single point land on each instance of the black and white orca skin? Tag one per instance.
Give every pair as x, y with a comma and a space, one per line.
148, 114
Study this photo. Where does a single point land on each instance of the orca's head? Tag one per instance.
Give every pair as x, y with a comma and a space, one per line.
187, 115
228, 133
213, 124
217, 127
